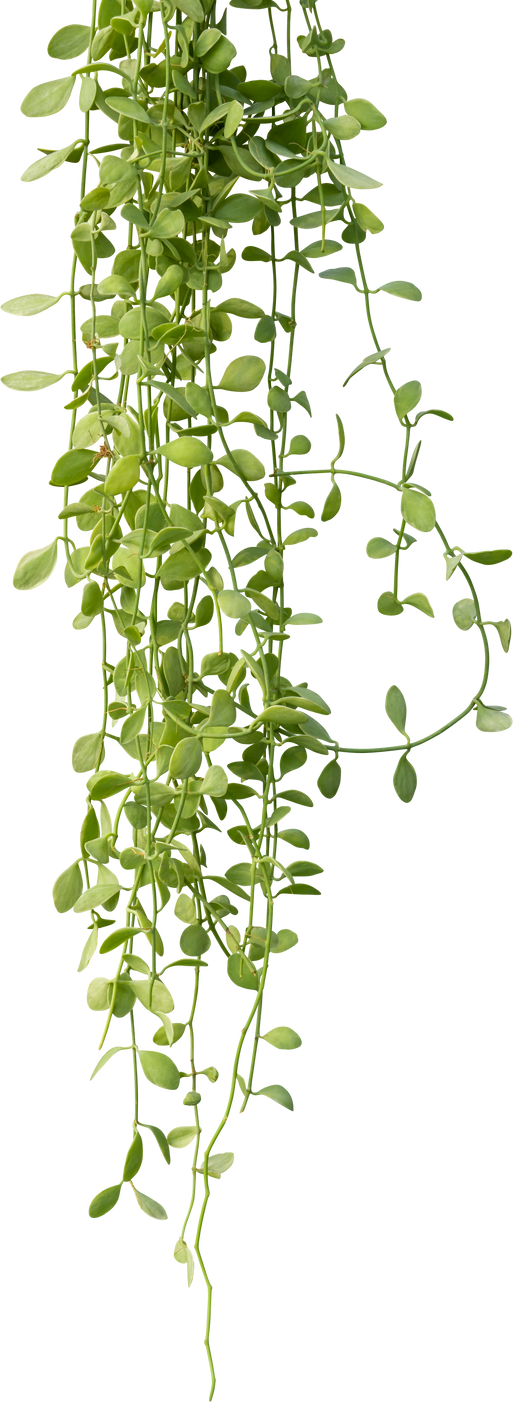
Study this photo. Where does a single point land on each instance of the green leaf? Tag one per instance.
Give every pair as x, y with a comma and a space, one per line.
215, 782
283, 1038
118, 937
222, 710
105, 1058
180, 1137
340, 275
328, 781
160, 1070
194, 942
243, 374
186, 758
395, 707
303, 618
148, 1205
464, 614
281, 715
332, 504
128, 107
234, 116
87, 752
219, 57
297, 537
369, 116
73, 467
279, 1094
262, 603
124, 475
89, 949
96, 896
504, 631
217, 1164
31, 380
237, 306
44, 166
389, 605
48, 98
133, 725
106, 783
67, 888
249, 466
69, 42
286, 940
242, 972
295, 836
491, 718
182, 1263
378, 548
105, 1201
419, 601
353, 179
133, 1159
161, 999
406, 397
161, 1141
408, 290
35, 567
30, 305
187, 452
487, 557
367, 220
405, 780
344, 128
418, 510
185, 909
87, 91
194, 10
233, 604
375, 359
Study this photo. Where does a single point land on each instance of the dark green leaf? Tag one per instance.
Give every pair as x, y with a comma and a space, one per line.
329, 780
133, 1159
405, 780
105, 1201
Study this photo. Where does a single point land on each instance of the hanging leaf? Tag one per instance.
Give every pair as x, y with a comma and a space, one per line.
186, 759
353, 179
70, 41
86, 91
30, 305
88, 751
504, 631
186, 452
217, 1164
182, 1136
133, 1159
35, 567
279, 1094
242, 972
405, 780
418, 510
409, 291
283, 1038
376, 358
104, 1059
243, 374
88, 950
340, 275
395, 707
332, 504
419, 601
328, 781
343, 128
45, 164
233, 606
369, 116
389, 605
160, 1070
378, 548
105, 1201
367, 220
67, 888
72, 467
297, 537
487, 557
182, 1263
464, 614
31, 379
149, 1206
492, 718
452, 562
406, 397
48, 98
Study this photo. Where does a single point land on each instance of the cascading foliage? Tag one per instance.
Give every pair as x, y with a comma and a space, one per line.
149, 523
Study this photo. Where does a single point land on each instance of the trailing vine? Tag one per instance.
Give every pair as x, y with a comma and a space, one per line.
198, 149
